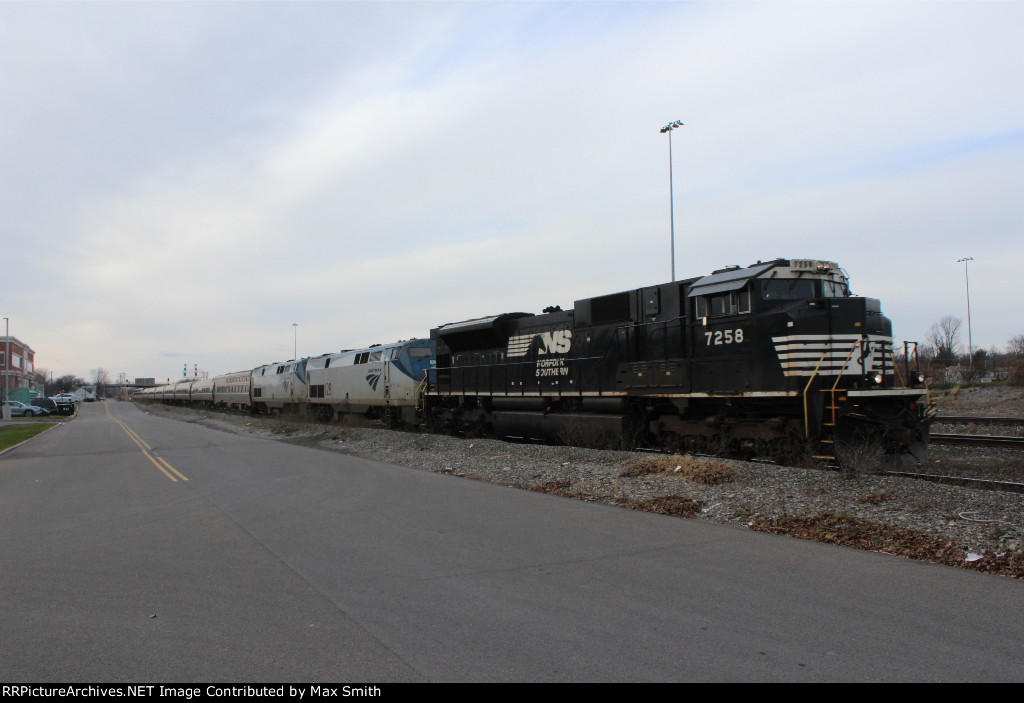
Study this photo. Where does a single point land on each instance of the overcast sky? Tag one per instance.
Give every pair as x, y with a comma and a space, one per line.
180, 183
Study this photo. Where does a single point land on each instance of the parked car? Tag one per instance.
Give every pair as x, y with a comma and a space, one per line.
46, 404
19, 409
65, 403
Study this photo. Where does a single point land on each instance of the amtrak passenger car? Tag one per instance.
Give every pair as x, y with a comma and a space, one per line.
231, 390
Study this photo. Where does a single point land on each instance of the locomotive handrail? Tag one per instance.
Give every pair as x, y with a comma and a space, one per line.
899, 376
807, 388
421, 391
917, 363
839, 376
832, 391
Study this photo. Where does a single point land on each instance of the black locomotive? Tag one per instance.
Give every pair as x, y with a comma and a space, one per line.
770, 358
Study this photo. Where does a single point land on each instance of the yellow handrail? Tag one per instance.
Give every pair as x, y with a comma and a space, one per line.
846, 361
839, 377
420, 391
807, 420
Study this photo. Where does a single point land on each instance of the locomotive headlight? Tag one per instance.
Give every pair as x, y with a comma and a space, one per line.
917, 378
876, 378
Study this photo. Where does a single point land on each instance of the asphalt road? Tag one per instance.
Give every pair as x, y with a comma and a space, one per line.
135, 548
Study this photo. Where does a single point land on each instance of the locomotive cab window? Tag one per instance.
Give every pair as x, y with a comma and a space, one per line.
834, 289
734, 302
788, 289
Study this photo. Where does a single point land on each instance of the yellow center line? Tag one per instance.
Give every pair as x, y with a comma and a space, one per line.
131, 433
162, 469
170, 472
171, 468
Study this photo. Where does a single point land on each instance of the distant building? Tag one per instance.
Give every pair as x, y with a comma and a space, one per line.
17, 364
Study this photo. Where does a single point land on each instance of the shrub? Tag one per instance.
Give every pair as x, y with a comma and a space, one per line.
1016, 374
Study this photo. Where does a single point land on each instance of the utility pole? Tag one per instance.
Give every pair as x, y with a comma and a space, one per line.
970, 341
7, 368
667, 129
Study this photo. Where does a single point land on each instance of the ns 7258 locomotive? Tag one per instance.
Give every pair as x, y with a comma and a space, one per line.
772, 357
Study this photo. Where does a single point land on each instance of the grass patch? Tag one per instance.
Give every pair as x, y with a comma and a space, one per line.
15, 434
697, 469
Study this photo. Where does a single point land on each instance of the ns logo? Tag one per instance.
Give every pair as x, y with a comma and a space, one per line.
557, 342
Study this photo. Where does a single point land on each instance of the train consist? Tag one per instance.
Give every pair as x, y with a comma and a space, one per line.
773, 358
383, 381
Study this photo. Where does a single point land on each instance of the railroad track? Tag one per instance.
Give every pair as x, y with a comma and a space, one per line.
978, 420
978, 440
984, 484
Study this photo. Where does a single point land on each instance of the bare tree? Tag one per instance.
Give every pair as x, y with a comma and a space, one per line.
68, 383
944, 338
42, 376
101, 378
1015, 347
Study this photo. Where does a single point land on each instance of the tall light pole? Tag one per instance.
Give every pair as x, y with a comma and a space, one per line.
970, 341
667, 129
295, 328
7, 366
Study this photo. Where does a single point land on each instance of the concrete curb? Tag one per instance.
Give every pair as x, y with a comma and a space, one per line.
25, 441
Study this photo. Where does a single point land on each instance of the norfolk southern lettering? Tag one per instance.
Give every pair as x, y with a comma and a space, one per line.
552, 367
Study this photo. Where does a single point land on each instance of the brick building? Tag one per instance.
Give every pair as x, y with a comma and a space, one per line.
18, 365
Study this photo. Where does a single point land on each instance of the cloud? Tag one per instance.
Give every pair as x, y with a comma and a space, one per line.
197, 177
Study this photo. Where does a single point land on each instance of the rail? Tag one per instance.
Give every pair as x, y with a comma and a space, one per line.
978, 420
980, 483
978, 440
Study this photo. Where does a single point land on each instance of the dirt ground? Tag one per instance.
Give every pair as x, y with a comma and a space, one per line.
1001, 401
978, 462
